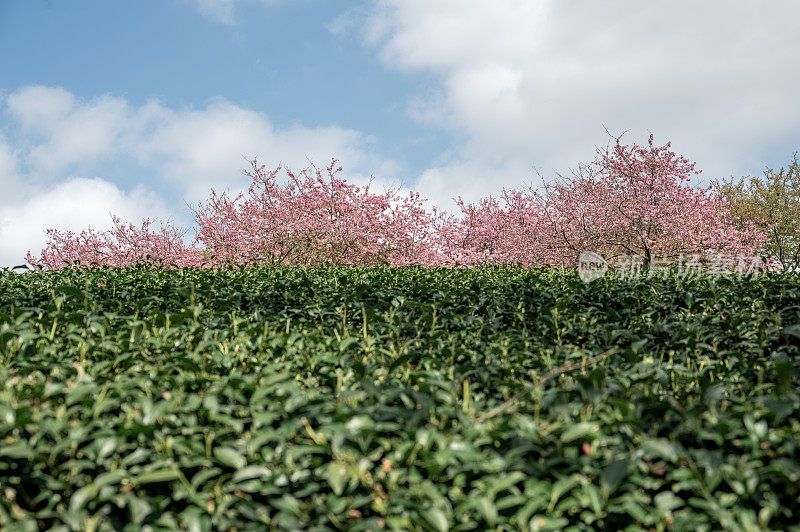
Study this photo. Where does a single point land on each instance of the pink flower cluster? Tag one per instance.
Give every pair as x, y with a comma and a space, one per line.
632, 200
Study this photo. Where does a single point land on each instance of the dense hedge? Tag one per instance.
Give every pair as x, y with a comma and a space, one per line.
407, 398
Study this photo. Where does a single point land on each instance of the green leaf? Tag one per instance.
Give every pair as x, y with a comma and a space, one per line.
230, 457
250, 472
487, 510
359, 423
594, 497
560, 487
436, 518
613, 476
81, 497
336, 473
579, 431
792, 330
666, 500
19, 451
661, 448
195, 520
152, 477
139, 507
542, 523
112, 477
503, 482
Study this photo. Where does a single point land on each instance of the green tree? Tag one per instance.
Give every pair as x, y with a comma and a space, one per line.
772, 201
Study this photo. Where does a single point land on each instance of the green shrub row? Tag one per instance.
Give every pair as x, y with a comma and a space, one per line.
405, 398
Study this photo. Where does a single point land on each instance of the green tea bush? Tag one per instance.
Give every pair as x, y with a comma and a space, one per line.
397, 398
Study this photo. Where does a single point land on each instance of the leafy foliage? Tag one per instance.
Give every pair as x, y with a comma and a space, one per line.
404, 398
773, 203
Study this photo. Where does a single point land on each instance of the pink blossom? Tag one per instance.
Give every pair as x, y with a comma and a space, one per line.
632, 200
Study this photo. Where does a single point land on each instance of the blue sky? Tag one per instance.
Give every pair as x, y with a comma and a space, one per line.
138, 107
280, 60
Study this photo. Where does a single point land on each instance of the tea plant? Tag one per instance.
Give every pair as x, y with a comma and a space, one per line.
399, 398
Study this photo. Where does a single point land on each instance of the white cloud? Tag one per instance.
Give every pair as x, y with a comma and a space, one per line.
192, 148
471, 179
8, 172
224, 11
201, 149
219, 10
35, 107
534, 83
62, 139
75, 204
66, 131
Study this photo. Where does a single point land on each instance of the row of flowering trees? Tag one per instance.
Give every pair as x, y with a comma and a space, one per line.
632, 200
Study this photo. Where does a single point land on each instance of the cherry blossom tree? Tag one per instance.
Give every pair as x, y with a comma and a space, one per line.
632, 200
315, 218
125, 244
